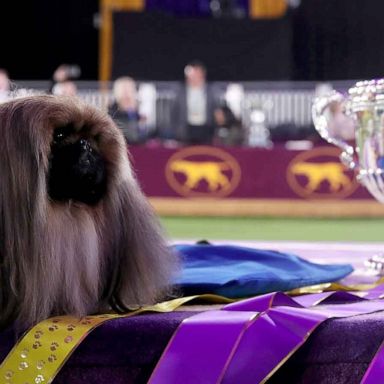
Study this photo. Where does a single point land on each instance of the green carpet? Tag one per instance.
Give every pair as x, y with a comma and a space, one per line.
274, 229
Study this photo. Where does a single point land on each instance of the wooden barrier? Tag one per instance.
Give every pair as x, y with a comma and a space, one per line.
267, 208
106, 34
267, 9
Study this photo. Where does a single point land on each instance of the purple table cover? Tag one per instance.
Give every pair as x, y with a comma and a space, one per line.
126, 351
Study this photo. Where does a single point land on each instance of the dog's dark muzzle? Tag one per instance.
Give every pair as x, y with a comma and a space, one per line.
76, 172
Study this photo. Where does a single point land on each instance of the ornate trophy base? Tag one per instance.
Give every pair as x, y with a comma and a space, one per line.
376, 264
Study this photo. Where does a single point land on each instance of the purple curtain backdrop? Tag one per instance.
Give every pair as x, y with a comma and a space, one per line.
189, 8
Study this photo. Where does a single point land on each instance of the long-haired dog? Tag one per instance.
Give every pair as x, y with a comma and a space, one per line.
77, 235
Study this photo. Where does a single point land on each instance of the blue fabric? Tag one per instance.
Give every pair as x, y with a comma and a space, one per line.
235, 272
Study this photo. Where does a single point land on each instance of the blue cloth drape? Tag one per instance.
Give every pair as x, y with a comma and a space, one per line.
235, 271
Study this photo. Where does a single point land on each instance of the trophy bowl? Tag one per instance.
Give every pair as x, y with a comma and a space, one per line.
364, 105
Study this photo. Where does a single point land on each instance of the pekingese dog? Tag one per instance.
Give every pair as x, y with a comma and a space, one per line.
77, 236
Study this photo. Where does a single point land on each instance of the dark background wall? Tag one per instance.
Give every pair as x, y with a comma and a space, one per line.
36, 36
339, 39
321, 40
158, 46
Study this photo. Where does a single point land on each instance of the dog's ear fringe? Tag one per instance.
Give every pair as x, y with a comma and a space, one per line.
22, 177
145, 265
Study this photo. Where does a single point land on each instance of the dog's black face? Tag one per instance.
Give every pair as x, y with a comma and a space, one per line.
76, 170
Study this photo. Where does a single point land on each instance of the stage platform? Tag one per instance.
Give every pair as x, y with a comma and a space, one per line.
338, 352
267, 208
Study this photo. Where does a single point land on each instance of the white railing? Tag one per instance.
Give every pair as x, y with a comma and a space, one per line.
281, 107
281, 103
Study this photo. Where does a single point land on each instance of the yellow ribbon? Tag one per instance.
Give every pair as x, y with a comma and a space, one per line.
326, 287
40, 354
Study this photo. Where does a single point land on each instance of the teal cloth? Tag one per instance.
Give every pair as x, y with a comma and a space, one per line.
237, 272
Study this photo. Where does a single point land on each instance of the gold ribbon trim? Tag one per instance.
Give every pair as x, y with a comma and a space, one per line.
328, 287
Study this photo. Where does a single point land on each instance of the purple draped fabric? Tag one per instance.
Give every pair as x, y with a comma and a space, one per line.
119, 351
246, 341
338, 352
126, 351
376, 368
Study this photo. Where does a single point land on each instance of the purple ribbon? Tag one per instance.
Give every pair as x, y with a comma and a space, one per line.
247, 341
375, 370
199, 338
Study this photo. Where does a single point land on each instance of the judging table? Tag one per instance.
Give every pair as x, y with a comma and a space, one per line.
127, 350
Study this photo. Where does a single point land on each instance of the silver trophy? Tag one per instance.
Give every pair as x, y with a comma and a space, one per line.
364, 105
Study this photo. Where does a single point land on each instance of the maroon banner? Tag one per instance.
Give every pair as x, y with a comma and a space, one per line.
252, 173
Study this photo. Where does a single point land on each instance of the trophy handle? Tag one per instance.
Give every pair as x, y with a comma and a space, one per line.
319, 106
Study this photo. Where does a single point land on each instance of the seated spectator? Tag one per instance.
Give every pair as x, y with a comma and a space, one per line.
234, 98
5, 85
125, 111
65, 88
64, 73
228, 129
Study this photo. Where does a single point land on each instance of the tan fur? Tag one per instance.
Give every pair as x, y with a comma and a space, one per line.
70, 258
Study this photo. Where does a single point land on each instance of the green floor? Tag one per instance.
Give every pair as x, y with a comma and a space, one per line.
274, 229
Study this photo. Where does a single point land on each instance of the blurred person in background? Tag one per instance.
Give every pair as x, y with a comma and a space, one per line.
5, 85
65, 88
64, 73
198, 105
228, 128
125, 111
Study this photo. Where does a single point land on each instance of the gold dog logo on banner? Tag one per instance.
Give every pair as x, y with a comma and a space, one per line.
203, 172
318, 173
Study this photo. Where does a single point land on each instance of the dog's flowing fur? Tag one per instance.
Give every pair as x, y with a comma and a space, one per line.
67, 257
